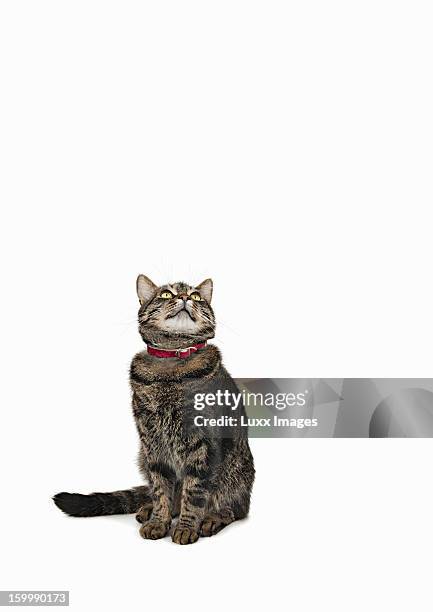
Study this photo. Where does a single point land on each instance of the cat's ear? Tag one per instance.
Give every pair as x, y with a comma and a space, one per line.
145, 289
206, 288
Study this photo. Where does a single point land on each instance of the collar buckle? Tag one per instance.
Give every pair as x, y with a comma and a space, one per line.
184, 353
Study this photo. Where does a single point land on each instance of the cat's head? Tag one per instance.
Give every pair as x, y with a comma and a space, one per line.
175, 315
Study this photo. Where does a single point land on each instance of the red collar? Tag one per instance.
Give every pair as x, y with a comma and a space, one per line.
179, 353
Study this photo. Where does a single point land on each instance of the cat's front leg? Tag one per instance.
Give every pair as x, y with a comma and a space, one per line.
195, 496
162, 480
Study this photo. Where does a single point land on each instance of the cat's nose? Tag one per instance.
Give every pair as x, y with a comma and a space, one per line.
183, 296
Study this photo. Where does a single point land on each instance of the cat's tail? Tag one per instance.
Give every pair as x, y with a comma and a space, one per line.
100, 504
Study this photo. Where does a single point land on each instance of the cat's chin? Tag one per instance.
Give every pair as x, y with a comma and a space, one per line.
181, 322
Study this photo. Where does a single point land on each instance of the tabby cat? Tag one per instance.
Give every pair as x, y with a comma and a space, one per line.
202, 474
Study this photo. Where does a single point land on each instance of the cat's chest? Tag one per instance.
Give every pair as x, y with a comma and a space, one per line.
162, 417
166, 400
162, 426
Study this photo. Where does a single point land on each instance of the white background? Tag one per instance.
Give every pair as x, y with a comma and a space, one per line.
283, 148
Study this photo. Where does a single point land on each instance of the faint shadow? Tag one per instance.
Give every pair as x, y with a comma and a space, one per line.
129, 520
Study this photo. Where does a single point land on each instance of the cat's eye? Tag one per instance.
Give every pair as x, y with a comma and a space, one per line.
196, 297
166, 295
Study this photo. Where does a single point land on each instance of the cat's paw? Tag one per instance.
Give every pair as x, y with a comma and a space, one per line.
184, 535
144, 513
211, 525
154, 530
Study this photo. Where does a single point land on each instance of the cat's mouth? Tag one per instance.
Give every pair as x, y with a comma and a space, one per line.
182, 311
